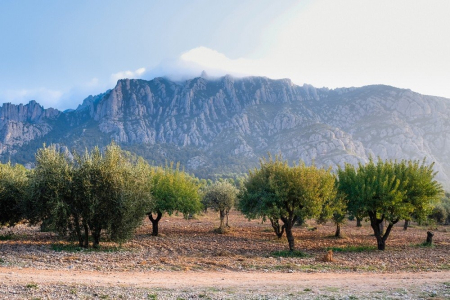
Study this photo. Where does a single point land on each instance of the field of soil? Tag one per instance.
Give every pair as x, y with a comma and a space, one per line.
190, 261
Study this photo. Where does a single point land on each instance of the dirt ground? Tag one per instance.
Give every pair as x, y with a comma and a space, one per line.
190, 261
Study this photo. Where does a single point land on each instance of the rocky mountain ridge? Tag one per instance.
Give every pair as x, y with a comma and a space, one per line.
223, 125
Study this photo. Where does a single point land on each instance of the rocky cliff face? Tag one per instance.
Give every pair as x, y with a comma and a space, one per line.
20, 124
226, 124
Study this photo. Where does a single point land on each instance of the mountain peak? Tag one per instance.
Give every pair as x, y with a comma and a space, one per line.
204, 75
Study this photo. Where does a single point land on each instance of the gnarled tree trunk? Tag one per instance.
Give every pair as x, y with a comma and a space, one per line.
227, 213
358, 222
222, 220
430, 238
155, 222
78, 231
378, 228
338, 230
279, 230
96, 236
86, 234
405, 226
288, 223
290, 238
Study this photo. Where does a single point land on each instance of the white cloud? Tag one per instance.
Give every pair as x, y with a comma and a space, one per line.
127, 74
216, 63
352, 43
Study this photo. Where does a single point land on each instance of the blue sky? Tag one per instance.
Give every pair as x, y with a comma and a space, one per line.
59, 52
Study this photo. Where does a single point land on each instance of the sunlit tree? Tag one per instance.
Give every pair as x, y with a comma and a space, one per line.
172, 190
221, 197
280, 192
389, 191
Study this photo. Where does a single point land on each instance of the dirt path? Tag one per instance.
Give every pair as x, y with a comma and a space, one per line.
238, 280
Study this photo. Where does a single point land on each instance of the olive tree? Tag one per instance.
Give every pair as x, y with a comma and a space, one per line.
172, 190
221, 197
50, 191
110, 194
334, 209
389, 191
89, 195
13, 182
280, 192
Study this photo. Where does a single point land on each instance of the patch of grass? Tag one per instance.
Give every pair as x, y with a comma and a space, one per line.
2, 260
424, 244
6, 237
31, 286
307, 290
369, 268
332, 236
444, 267
287, 253
152, 296
59, 247
350, 248
284, 267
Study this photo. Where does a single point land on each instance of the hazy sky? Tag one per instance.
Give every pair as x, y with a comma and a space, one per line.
59, 52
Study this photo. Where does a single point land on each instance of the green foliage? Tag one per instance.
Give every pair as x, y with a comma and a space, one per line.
13, 182
389, 190
111, 193
6, 237
285, 253
50, 190
92, 194
59, 247
334, 209
172, 190
441, 212
221, 197
278, 191
350, 248
419, 187
31, 286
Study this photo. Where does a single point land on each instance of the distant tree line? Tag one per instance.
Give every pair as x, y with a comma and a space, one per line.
108, 193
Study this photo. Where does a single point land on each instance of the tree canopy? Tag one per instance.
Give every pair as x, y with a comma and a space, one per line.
221, 197
172, 190
13, 183
280, 192
91, 194
389, 191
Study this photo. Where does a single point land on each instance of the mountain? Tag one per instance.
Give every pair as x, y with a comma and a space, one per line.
224, 125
